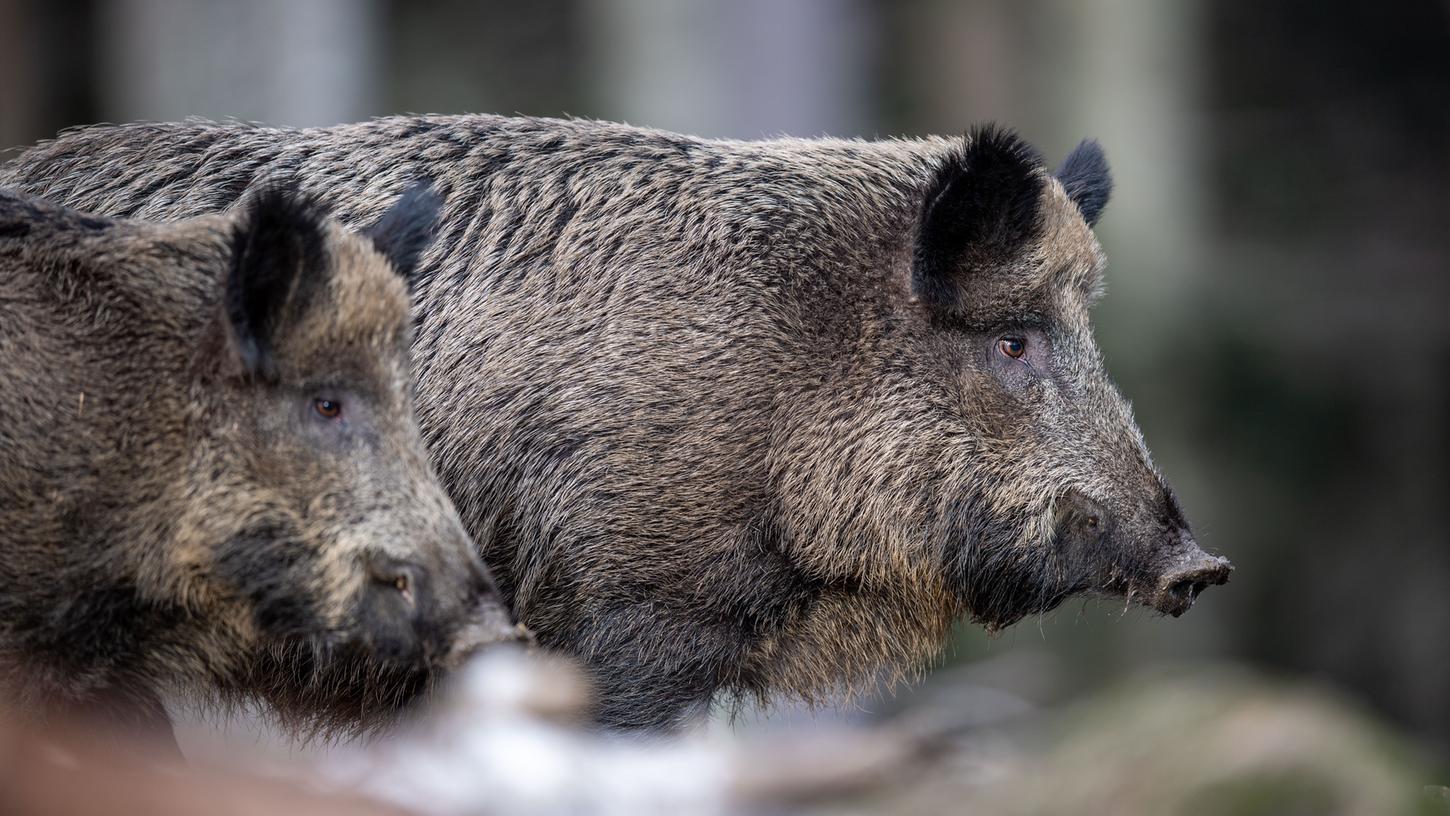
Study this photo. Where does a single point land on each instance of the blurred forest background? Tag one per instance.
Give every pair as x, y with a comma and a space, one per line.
1279, 241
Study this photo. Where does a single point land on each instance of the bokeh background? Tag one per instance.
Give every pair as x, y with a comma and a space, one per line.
1279, 245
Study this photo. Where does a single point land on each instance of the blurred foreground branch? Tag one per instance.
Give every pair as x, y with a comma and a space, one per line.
508, 739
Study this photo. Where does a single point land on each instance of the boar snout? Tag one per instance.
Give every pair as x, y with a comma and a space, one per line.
412, 614
1193, 572
1155, 562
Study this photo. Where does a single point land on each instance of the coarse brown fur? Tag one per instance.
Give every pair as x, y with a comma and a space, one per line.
175, 516
734, 415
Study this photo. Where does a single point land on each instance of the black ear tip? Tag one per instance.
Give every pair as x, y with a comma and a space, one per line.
406, 229
980, 208
1087, 161
279, 254
1002, 145
277, 215
1089, 152
282, 205
1087, 179
422, 196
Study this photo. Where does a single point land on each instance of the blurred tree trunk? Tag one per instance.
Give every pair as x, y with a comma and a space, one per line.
1094, 83
286, 62
45, 68
1062, 70
17, 108
743, 69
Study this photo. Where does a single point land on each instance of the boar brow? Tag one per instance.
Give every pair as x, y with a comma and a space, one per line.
1027, 320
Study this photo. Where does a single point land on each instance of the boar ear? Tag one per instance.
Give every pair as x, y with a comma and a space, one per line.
279, 260
1085, 176
981, 208
406, 229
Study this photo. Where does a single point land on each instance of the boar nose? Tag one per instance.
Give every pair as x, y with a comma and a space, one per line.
393, 609
1192, 572
414, 618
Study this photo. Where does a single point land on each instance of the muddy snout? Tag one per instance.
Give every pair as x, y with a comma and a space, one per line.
1180, 586
413, 613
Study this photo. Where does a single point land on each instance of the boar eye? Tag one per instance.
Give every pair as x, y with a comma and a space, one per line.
1013, 347
327, 409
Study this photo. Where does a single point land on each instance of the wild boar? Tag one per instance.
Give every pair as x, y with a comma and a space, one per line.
735, 416
211, 477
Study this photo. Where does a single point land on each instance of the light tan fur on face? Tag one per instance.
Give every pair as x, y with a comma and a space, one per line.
367, 309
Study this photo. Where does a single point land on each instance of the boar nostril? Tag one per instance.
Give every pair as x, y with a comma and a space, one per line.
395, 577
404, 587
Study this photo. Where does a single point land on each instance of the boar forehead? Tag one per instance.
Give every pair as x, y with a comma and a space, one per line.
361, 333
1054, 281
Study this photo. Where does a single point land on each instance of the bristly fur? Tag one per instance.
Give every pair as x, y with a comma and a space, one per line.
169, 523
1085, 176
727, 416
